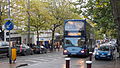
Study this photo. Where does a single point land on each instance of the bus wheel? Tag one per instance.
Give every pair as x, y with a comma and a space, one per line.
69, 55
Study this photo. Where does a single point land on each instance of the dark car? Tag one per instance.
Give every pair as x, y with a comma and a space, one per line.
104, 52
39, 49
4, 47
36, 49
24, 49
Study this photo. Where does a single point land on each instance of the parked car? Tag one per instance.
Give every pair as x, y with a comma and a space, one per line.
36, 49
105, 52
24, 49
39, 49
4, 48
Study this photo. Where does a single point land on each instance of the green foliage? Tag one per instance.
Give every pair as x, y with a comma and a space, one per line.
3, 11
100, 12
40, 15
60, 13
43, 15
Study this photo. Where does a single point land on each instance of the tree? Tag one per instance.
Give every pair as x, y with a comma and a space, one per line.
116, 13
40, 16
100, 12
60, 11
3, 11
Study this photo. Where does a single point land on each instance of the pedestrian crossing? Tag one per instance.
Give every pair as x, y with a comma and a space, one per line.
42, 58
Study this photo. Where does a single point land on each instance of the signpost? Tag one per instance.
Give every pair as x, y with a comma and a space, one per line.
9, 26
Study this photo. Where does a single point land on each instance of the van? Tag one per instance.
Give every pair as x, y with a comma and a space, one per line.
4, 47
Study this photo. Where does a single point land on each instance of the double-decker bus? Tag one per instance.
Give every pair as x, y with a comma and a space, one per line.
75, 38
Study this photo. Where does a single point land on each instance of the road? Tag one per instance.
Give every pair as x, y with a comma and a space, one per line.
57, 60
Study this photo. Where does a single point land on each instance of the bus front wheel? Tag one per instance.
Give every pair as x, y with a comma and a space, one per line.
69, 55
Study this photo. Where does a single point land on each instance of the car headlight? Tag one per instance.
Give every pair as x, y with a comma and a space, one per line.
97, 53
108, 54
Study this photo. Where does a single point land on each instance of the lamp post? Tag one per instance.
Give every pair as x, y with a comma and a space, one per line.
10, 60
28, 7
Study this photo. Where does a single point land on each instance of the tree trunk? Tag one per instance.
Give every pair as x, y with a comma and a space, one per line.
53, 34
0, 16
116, 13
37, 37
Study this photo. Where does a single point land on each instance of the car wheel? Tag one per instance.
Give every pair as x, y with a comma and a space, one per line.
24, 53
96, 58
40, 51
111, 58
32, 52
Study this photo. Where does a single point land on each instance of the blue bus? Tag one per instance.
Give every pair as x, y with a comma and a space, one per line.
75, 40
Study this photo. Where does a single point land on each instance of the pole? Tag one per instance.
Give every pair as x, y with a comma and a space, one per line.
8, 8
10, 61
67, 62
89, 64
90, 53
28, 22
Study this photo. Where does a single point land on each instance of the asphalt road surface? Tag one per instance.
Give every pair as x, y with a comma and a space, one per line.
57, 60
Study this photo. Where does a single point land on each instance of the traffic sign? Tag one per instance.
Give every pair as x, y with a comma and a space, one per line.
8, 19
9, 25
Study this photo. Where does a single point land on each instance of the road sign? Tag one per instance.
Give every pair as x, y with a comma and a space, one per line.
8, 19
9, 25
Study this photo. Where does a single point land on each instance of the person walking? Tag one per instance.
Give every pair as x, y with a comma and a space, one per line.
58, 46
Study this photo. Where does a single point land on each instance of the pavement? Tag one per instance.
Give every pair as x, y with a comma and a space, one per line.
14, 65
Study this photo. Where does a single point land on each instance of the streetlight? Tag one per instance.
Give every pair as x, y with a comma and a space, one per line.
28, 7
10, 60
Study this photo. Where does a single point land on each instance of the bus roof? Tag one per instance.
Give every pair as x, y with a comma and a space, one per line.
75, 20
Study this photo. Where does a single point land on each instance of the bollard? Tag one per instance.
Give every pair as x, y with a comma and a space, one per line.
67, 62
89, 64
90, 56
13, 55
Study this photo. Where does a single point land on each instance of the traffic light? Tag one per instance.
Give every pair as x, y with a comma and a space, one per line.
1, 34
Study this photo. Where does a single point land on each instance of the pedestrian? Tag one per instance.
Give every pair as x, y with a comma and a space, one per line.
58, 46
49, 47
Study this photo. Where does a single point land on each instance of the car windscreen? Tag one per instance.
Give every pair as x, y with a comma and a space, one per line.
4, 44
104, 48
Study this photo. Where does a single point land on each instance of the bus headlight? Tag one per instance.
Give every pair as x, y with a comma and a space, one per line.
82, 51
65, 51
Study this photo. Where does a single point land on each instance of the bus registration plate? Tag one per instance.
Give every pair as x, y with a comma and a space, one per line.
73, 53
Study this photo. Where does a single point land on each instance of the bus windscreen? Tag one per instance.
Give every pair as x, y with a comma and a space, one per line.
74, 42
